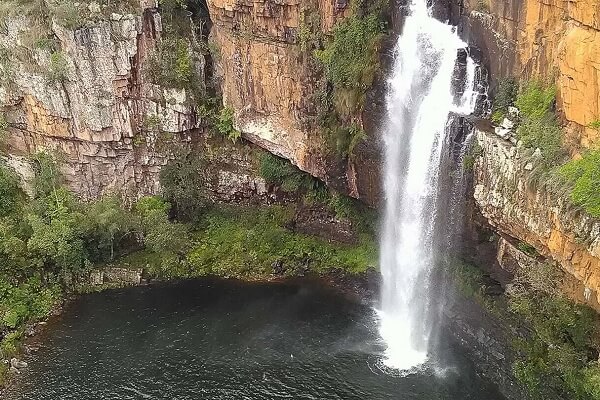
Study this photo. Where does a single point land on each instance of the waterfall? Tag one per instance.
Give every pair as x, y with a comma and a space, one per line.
419, 102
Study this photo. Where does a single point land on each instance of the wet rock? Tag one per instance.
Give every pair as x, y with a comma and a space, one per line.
507, 124
278, 268
18, 364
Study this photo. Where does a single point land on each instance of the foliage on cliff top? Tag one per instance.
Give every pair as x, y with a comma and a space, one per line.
584, 177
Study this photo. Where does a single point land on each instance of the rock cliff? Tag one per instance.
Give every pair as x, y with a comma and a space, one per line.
535, 213
87, 97
553, 40
273, 84
85, 92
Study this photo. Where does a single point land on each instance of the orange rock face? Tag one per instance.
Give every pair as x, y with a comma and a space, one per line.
555, 40
268, 81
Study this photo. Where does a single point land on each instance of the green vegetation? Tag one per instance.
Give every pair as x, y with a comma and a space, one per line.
58, 68
224, 125
278, 171
558, 352
469, 159
583, 176
247, 242
309, 31
184, 184
350, 58
527, 249
538, 127
505, 97
535, 100
172, 65
351, 61
594, 124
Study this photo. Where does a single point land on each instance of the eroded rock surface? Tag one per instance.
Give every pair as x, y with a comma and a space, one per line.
508, 197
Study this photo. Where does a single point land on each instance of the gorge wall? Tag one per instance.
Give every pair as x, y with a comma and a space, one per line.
89, 97
111, 121
553, 40
556, 42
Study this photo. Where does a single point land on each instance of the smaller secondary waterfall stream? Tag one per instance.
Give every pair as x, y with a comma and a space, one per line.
419, 103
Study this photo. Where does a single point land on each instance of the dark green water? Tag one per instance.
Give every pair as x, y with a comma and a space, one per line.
214, 339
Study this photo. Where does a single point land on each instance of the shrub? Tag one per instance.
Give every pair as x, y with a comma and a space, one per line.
309, 31
107, 229
527, 249
184, 184
347, 138
11, 196
543, 133
535, 100
504, 98
225, 125
351, 57
58, 68
279, 171
584, 176
471, 156
172, 65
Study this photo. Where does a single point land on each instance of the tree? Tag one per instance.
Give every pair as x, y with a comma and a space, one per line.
184, 184
165, 238
106, 226
58, 243
11, 196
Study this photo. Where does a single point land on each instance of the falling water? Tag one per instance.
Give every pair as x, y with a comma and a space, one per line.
419, 102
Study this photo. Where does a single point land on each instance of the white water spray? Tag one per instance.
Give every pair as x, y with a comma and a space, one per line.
419, 102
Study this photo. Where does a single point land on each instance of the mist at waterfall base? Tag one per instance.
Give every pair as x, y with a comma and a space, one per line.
224, 339
422, 96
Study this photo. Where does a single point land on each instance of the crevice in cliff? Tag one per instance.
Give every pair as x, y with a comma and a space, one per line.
203, 25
